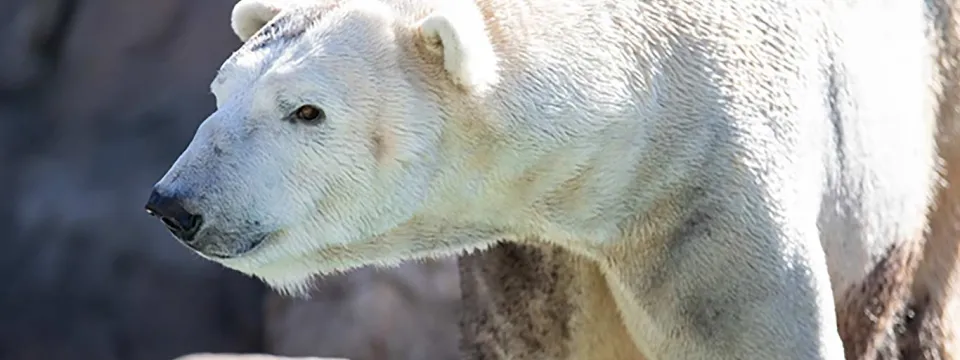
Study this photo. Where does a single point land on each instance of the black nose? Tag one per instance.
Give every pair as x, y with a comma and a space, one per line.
179, 221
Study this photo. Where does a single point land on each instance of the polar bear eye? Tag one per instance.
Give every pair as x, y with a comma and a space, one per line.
309, 113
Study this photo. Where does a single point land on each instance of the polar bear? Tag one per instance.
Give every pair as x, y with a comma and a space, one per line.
718, 179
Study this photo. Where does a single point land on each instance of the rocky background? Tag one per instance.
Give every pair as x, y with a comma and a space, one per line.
97, 98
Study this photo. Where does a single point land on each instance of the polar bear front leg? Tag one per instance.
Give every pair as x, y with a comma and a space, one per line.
729, 281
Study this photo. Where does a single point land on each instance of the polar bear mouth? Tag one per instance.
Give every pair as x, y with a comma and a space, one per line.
254, 245
258, 242
225, 247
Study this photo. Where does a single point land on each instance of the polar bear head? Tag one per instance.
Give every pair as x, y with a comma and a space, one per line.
329, 131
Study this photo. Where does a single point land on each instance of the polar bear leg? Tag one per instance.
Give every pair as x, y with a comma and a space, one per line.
868, 312
934, 330
730, 285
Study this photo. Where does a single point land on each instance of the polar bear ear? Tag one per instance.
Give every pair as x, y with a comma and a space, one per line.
249, 16
458, 34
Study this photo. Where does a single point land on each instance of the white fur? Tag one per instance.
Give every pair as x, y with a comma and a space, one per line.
249, 16
458, 34
694, 150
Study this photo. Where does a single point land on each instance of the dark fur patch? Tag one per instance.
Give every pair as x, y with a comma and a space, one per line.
516, 303
868, 315
918, 339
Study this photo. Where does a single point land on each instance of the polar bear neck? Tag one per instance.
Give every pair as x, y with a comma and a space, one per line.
535, 168
550, 150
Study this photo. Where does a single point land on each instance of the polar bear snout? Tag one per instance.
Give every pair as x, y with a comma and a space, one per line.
191, 229
182, 223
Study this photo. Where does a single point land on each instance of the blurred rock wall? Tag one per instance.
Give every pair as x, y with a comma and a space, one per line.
97, 98
409, 313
